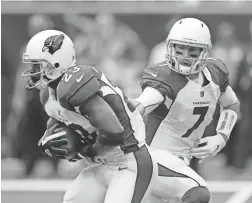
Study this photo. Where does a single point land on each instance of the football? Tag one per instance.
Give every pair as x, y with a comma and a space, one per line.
62, 131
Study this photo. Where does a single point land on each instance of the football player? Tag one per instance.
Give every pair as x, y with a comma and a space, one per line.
179, 98
121, 168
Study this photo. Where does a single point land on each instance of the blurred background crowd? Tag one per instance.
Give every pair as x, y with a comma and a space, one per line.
121, 46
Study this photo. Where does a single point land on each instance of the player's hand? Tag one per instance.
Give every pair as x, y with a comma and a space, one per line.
92, 150
211, 146
51, 143
86, 152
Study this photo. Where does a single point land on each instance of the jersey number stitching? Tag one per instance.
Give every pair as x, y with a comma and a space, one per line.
197, 111
67, 76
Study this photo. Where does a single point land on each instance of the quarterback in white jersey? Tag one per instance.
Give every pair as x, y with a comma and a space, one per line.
178, 100
120, 168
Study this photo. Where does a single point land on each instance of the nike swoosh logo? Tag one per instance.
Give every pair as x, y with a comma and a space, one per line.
79, 79
153, 74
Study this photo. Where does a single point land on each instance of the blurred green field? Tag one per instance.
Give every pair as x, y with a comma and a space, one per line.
37, 189
56, 197
52, 191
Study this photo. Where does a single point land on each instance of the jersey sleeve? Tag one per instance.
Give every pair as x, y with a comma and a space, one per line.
153, 77
83, 93
81, 86
219, 72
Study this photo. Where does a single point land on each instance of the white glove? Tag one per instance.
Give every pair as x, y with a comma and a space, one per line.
213, 145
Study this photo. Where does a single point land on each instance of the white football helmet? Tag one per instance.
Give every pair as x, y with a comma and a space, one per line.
189, 32
50, 53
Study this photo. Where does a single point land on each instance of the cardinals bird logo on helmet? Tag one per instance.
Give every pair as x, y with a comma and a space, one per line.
53, 43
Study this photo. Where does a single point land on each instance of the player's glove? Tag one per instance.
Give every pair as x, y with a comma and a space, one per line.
211, 146
52, 143
86, 150
63, 142
92, 150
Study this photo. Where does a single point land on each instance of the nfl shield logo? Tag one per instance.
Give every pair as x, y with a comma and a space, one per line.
201, 93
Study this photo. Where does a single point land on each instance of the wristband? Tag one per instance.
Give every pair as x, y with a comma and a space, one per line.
226, 123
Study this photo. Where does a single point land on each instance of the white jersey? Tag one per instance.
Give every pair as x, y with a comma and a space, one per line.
179, 122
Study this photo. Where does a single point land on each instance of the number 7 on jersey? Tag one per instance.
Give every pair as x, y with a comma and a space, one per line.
197, 111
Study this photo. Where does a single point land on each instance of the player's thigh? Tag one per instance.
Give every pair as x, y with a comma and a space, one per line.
133, 184
172, 165
173, 185
121, 187
85, 188
175, 176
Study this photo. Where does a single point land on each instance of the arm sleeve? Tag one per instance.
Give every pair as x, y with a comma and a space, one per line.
150, 97
157, 80
158, 85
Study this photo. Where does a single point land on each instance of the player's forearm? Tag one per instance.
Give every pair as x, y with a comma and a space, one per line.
102, 117
110, 131
95, 149
111, 139
103, 142
230, 111
148, 100
228, 119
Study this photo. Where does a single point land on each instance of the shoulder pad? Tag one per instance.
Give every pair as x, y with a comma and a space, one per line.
218, 63
164, 79
77, 85
219, 72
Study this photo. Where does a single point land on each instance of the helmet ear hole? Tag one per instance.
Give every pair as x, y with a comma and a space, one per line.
56, 65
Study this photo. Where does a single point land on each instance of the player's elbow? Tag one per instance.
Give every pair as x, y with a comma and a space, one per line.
235, 107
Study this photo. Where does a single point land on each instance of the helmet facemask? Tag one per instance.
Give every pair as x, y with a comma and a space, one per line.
186, 65
38, 76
